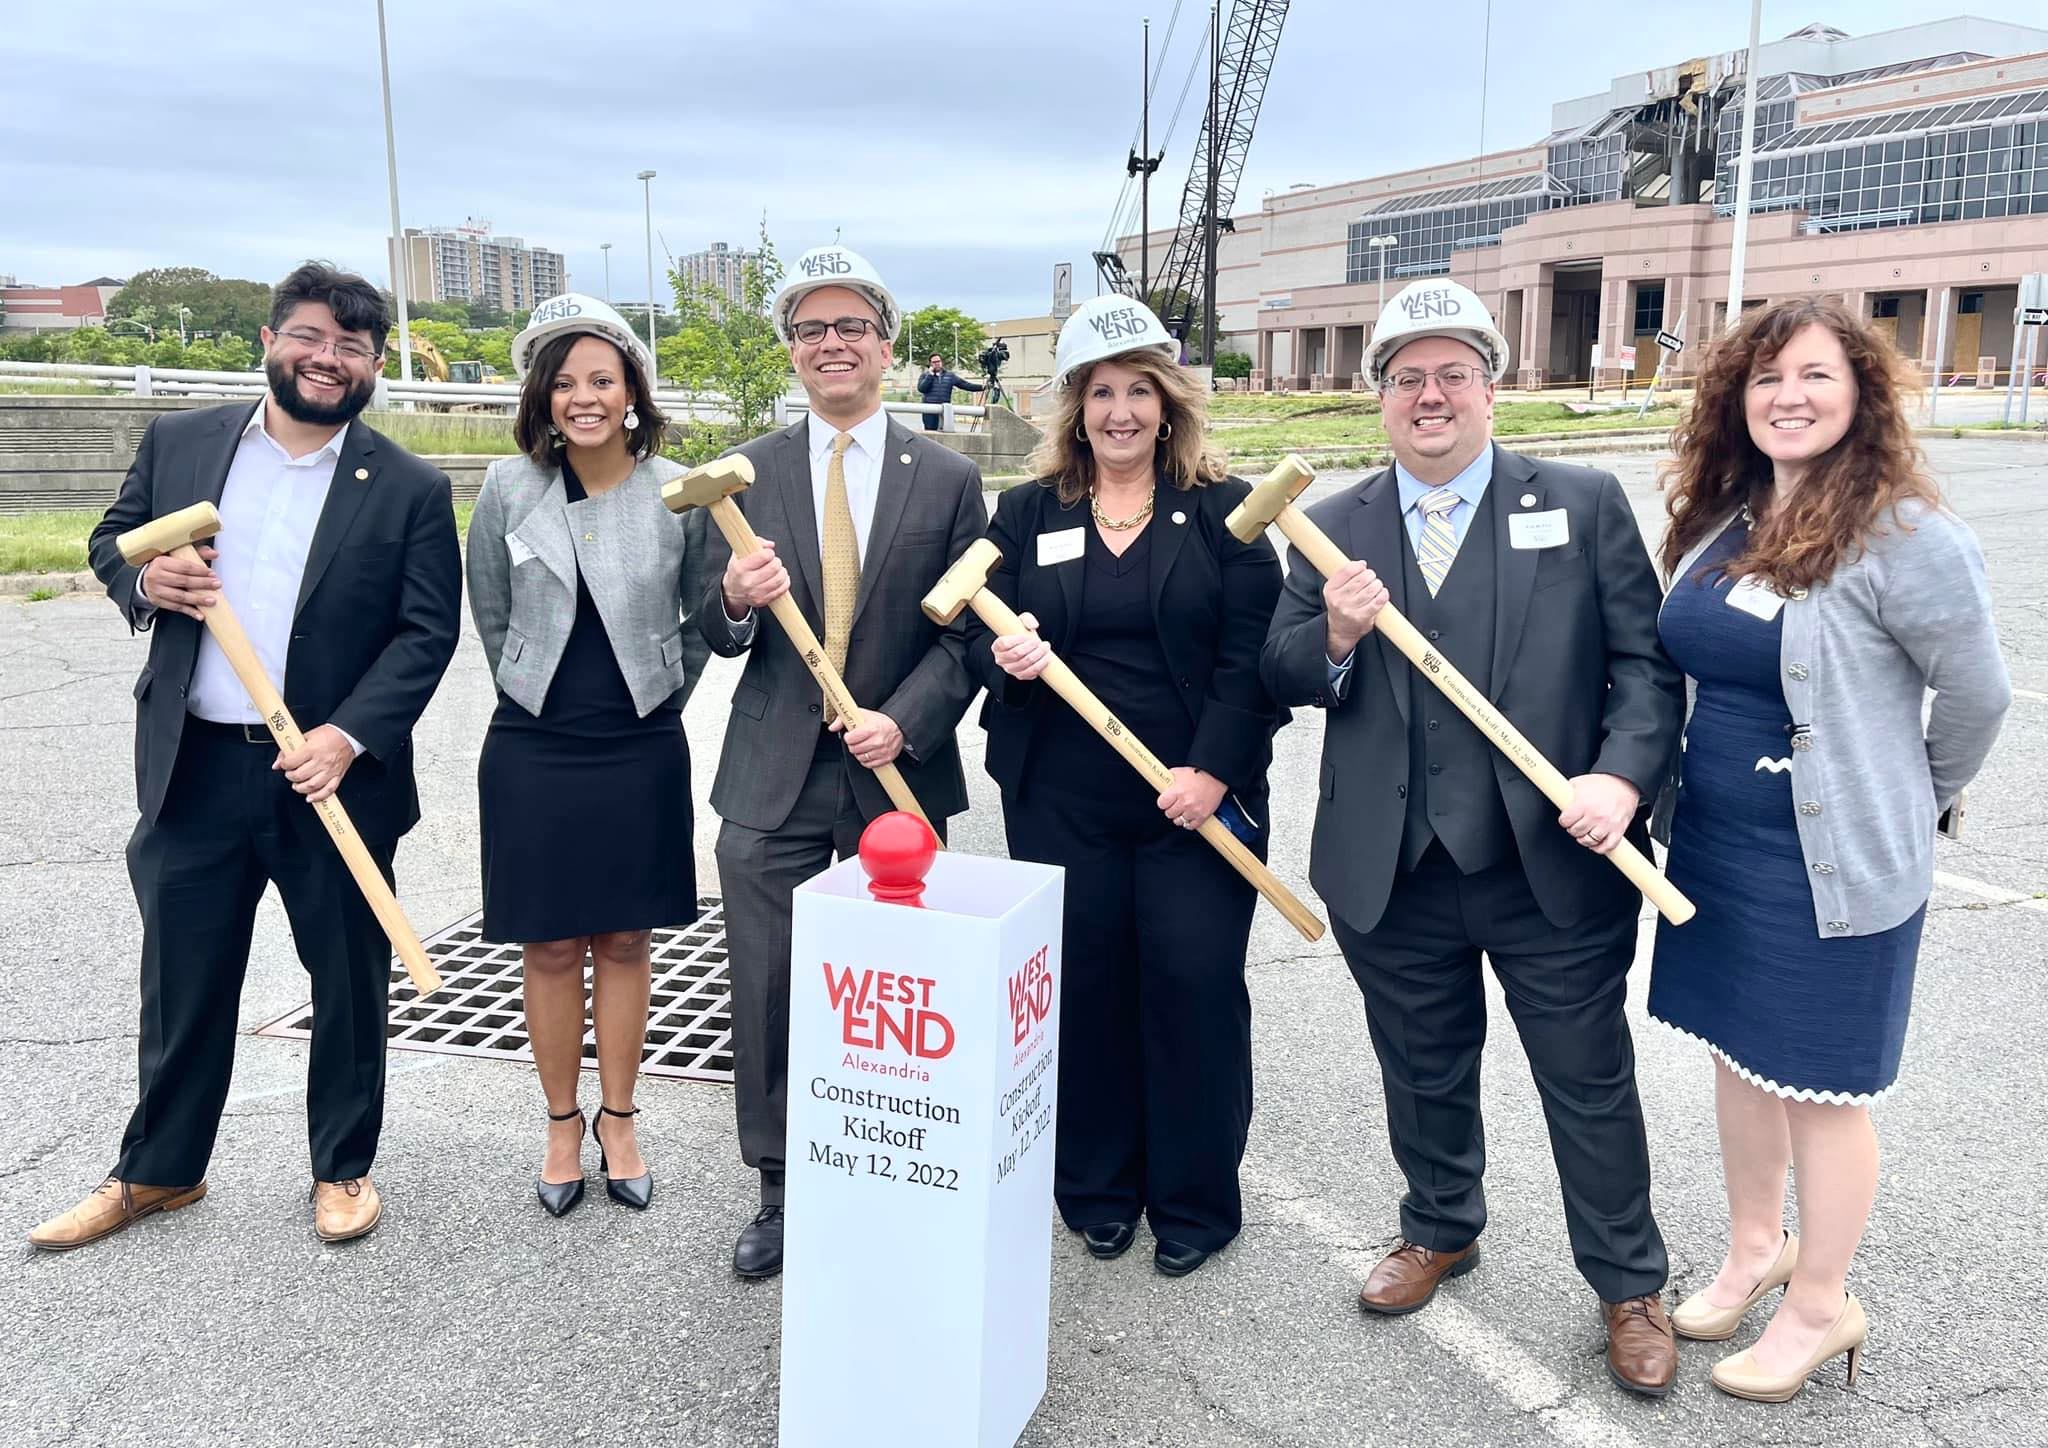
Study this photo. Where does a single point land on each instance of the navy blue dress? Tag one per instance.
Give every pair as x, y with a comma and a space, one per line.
1802, 1016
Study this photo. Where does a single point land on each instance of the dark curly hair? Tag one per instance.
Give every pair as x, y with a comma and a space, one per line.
530, 427
1843, 495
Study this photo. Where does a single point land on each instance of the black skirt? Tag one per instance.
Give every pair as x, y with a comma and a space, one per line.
584, 809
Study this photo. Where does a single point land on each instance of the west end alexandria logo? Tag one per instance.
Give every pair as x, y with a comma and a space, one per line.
555, 310
1436, 302
882, 1010
1031, 995
1115, 325
826, 264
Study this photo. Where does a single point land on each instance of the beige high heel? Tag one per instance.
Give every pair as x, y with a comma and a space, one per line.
1703, 1321
1740, 1377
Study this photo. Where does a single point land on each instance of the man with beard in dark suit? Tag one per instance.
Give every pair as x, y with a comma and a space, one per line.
337, 551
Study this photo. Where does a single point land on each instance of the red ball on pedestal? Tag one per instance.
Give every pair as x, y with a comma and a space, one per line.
897, 851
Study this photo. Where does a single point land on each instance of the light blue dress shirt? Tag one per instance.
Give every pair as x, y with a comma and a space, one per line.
1470, 486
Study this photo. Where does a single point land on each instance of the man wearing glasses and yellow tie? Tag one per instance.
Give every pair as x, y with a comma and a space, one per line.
337, 552
1431, 849
858, 517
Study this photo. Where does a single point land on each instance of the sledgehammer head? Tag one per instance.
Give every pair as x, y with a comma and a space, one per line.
169, 533
701, 487
1282, 486
967, 577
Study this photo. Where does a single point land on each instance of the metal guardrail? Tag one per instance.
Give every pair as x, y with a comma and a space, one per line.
145, 381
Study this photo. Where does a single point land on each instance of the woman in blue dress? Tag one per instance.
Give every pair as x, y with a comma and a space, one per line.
1819, 589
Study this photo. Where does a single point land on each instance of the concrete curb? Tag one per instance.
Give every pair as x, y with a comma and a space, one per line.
16, 587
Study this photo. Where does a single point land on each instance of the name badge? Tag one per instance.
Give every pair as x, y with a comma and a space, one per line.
1539, 530
1755, 597
519, 551
1062, 547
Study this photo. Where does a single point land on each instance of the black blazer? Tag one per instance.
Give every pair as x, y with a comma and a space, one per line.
379, 610
1211, 599
928, 509
1577, 667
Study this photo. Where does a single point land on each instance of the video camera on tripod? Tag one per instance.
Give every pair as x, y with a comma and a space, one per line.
992, 359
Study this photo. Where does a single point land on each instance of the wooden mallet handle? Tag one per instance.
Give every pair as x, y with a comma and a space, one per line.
1064, 682
1326, 558
241, 655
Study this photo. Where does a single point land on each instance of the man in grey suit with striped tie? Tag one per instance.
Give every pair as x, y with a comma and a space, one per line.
1432, 850
858, 517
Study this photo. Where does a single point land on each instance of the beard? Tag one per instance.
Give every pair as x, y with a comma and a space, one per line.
284, 386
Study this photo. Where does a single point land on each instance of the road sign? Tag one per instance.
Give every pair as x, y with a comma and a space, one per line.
1671, 341
2033, 316
1625, 358
1063, 290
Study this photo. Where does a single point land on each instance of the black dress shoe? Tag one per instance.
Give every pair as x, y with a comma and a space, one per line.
758, 1253
1110, 1239
1177, 1259
559, 1197
635, 1192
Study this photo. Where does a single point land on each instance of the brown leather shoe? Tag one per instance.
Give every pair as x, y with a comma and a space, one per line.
1642, 1354
109, 1207
1407, 1277
343, 1210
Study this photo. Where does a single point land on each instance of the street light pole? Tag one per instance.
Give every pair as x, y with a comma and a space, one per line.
1745, 170
398, 258
646, 180
1380, 245
606, 248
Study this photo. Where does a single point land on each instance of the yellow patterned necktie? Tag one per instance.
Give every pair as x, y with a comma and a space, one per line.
1439, 540
841, 559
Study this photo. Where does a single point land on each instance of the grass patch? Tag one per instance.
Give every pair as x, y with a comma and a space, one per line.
22, 387
41, 595
446, 432
45, 542
1270, 426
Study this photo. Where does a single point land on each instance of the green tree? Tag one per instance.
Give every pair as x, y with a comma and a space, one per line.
934, 329
1233, 364
456, 313
221, 306
732, 349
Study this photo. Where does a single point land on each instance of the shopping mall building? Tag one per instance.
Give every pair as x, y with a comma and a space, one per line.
1905, 173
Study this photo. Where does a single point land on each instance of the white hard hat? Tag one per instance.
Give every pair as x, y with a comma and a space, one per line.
574, 312
1435, 307
1107, 326
834, 266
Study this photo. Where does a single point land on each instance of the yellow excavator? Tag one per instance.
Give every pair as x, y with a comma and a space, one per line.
436, 368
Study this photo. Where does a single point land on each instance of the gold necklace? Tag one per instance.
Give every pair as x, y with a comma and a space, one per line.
1121, 525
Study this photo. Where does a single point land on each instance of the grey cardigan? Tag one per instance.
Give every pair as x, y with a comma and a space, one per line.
528, 543
1858, 654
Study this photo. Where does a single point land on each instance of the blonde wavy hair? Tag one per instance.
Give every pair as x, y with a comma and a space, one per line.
1065, 459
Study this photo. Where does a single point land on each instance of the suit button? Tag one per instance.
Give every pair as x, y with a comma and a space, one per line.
1823, 868
1839, 927
1796, 671
1435, 724
1809, 807
181, 691
1318, 701
1435, 634
1184, 682
815, 709
1436, 769
1401, 791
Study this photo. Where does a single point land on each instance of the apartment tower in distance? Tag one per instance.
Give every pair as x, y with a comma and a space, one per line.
467, 263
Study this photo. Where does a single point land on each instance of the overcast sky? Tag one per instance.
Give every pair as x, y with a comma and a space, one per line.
963, 148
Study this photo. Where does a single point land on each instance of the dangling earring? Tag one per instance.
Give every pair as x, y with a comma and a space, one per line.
632, 419
1081, 432
1165, 431
554, 436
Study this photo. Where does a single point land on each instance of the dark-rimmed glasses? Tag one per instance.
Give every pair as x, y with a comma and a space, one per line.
1454, 378
850, 329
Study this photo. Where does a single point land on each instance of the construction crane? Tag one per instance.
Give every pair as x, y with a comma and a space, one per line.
1184, 282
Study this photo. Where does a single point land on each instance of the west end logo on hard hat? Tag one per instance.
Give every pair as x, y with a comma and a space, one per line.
1437, 302
825, 263
555, 309
1123, 322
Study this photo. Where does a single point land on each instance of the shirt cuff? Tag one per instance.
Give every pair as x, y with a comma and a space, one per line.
353, 742
144, 605
1340, 674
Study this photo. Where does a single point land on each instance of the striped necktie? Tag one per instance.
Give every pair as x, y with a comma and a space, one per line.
842, 561
1439, 540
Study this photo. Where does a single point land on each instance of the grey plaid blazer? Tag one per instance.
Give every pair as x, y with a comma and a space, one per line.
928, 509
644, 565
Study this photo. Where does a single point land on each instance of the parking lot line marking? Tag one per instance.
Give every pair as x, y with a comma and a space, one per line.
1568, 1415
271, 1093
2030, 694
2003, 894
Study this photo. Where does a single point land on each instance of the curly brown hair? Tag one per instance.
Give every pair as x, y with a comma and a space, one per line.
530, 425
1843, 494
1065, 459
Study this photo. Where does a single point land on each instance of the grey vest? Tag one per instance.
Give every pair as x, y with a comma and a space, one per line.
1452, 793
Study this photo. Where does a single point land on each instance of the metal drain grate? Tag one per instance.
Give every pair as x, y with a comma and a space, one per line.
479, 1011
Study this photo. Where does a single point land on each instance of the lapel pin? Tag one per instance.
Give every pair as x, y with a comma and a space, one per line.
362, 475
903, 458
1180, 517
1528, 500
589, 537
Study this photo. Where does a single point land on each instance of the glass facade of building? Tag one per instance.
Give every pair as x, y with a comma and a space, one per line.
1429, 227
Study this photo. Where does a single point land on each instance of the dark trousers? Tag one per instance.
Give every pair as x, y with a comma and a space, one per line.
758, 872
229, 825
1155, 1096
932, 420
1425, 1002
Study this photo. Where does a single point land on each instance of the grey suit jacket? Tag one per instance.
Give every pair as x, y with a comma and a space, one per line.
928, 509
1857, 655
644, 566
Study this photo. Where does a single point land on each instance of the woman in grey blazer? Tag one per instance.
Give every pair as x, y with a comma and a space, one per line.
1819, 590
579, 577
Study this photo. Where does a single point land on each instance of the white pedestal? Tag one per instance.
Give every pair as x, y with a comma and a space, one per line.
923, 1070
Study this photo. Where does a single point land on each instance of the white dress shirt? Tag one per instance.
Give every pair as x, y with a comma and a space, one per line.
268, 511
863, 467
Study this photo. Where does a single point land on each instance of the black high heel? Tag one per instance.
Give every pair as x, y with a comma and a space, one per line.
635, 1192
559, 1197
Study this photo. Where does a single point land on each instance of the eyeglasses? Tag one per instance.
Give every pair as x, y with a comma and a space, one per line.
850, 329
344, 348
1454, 378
